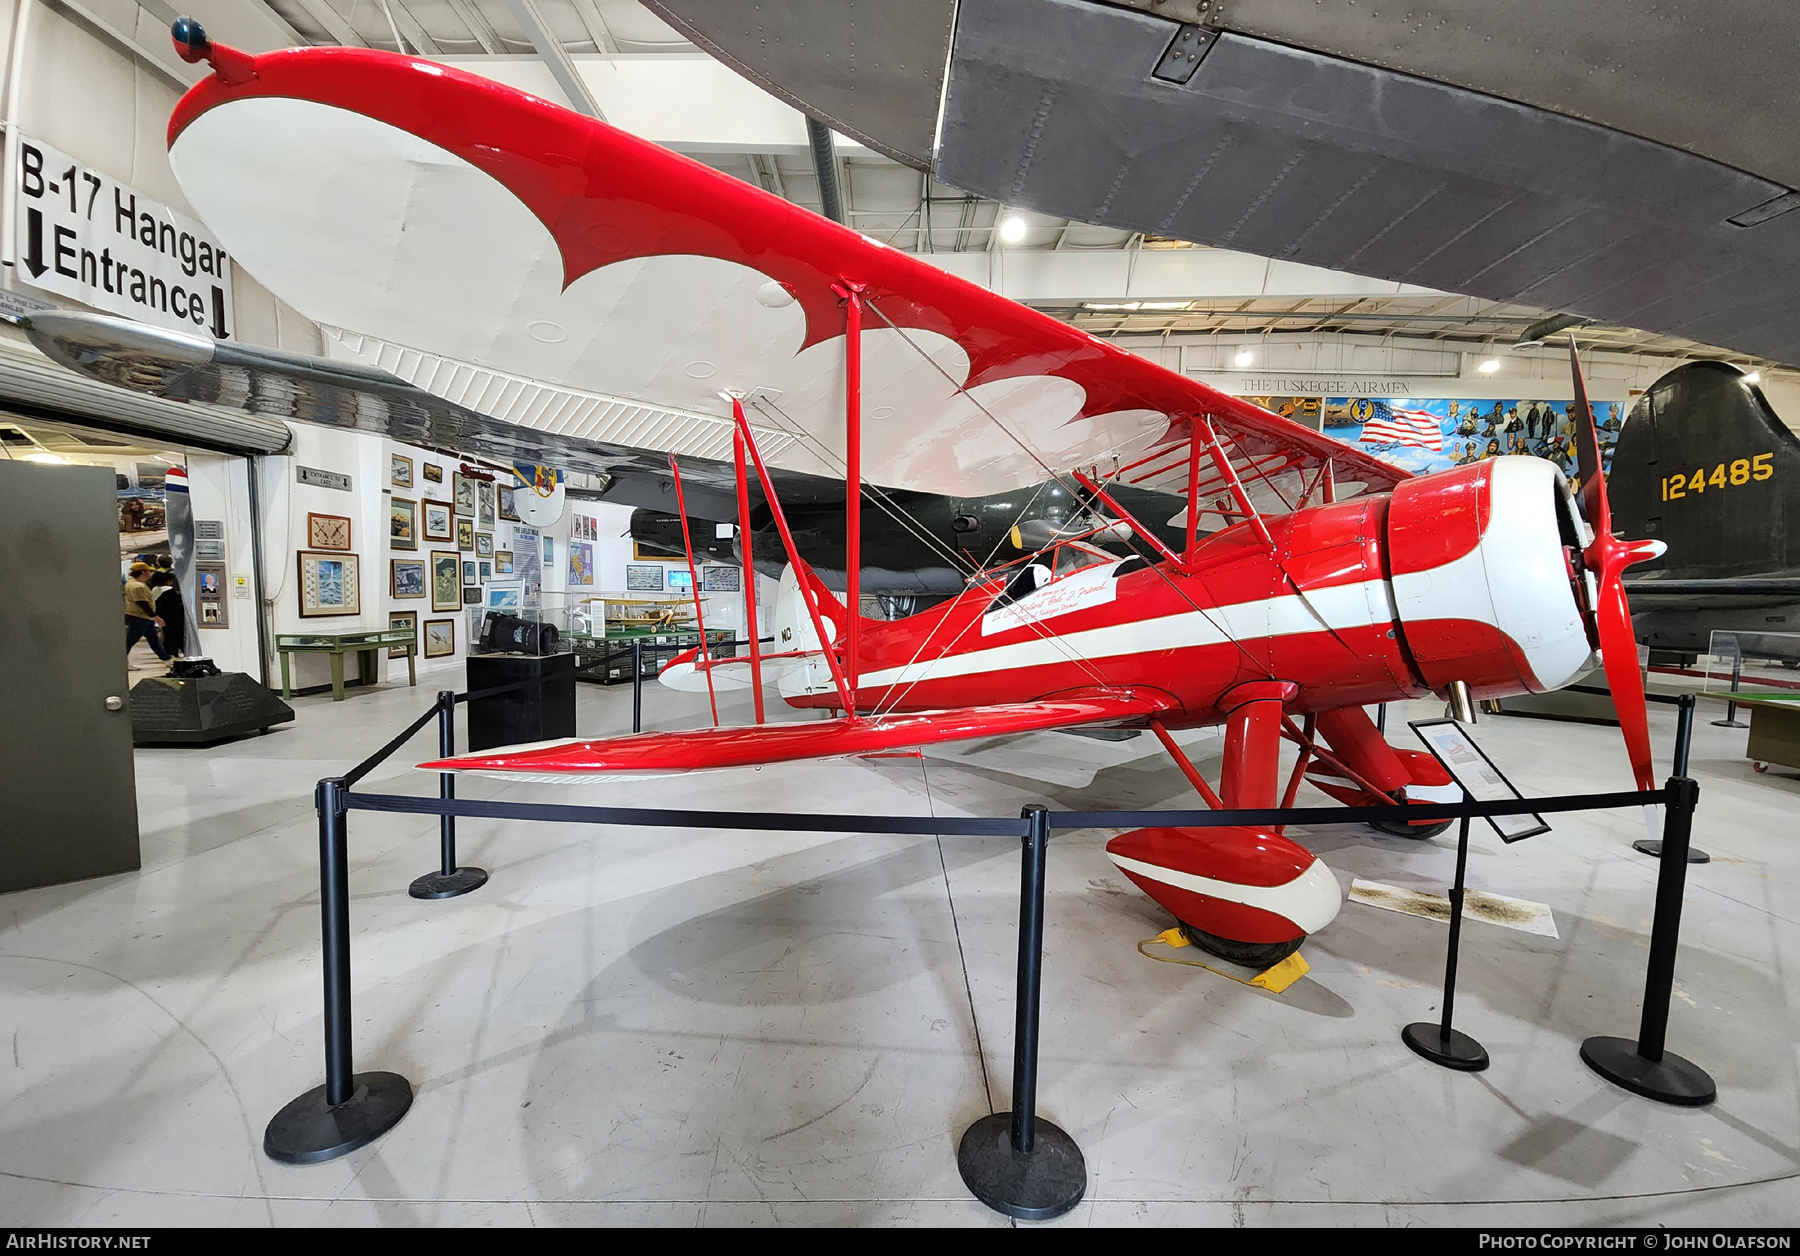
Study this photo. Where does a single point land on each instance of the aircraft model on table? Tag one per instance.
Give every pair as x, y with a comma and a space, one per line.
437, 210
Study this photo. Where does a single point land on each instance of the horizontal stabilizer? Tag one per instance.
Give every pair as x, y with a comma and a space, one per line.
697, 749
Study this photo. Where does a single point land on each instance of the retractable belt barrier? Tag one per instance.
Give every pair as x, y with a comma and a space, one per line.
1014, 1161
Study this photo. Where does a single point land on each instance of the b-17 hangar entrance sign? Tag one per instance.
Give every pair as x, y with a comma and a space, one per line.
85, 236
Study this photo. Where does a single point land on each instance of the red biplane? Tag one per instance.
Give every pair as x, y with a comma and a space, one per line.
426, 211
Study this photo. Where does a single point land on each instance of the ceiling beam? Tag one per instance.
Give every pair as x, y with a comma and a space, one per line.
596, 25
334, 23
555, 58
484, 34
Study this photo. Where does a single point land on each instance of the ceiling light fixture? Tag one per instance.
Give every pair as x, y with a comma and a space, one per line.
1754, 377
1012, 229
1489, 366
45, 457
1244, 357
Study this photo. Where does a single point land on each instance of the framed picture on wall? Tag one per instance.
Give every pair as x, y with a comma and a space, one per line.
446, 584
437, 521
469, 572
399, 471
484, 571
465, 534
484, 505
471, 595
549, 549
644, 579
406, 576
329, 584
581, 563
509, 508
718, 578
484, 545
503, 563
504, 597
433, 472
403, 518
327, 532
408, 620
464, 494
440, 638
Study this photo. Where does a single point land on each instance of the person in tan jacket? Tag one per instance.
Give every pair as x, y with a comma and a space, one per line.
140, 612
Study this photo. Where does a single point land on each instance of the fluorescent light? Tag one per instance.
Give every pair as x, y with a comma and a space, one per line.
42, 457
1754, 377
1489, 367
1012, 229
1244, 357
1164, 305
1109, 305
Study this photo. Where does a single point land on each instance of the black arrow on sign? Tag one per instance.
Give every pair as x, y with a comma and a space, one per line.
34, 242
218, 304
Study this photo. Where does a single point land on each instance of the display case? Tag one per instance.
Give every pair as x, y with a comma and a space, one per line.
603, 627
503, 626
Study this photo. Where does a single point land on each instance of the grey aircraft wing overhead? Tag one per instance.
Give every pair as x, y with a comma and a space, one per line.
1704, 464
915, 543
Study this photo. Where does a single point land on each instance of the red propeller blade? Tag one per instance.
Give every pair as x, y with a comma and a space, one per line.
1587, 454
1608, 557
1618, 651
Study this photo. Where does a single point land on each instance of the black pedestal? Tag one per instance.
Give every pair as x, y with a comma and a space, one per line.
309, 1131
1458, 1051
537, 712
199, 710
1654, 849
1040, 1184
1668, 1080
437, 885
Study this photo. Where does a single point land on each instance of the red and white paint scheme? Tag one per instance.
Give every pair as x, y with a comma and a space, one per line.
452, 216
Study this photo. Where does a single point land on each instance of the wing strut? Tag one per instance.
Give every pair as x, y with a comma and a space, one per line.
1193, 518
1230, 475
687, 542
826, 646
749, 573
852, 294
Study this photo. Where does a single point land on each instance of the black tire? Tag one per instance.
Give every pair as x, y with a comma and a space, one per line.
1257, 955
1418, 832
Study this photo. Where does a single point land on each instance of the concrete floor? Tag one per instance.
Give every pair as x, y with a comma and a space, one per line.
640, 1026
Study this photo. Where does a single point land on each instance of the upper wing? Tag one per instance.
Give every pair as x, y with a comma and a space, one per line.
447, 220
696, 749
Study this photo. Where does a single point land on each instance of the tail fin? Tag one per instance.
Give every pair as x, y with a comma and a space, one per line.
792, 626
1705, 464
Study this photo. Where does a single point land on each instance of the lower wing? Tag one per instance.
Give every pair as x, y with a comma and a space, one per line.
645, 754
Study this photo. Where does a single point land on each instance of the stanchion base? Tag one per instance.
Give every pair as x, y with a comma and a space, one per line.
1729, 724
1458, 1051
1653, 848
1045, 1183
308, 1131
437, 885
1668, 1080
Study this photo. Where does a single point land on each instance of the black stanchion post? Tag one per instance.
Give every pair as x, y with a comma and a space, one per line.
1440, 1043
1737, 670
1644, 1067
637, 685
448, 881
1014, 1162
350, 1109
1684, 737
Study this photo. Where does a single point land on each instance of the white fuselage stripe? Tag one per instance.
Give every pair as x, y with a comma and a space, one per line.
1358, 605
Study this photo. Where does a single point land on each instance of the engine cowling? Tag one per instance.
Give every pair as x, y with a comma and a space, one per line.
1485, 590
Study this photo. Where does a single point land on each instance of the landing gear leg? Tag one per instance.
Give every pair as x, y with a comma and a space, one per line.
1411, 775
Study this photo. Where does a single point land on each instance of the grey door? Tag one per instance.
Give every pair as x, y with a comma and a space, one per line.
69, 806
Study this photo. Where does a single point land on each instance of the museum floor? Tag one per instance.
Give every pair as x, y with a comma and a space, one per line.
638, 1026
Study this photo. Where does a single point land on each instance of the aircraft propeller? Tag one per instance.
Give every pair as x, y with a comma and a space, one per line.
1607, 557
